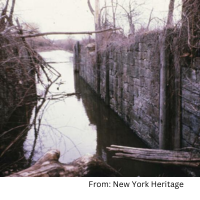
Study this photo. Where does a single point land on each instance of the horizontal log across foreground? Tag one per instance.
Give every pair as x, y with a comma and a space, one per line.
180, 158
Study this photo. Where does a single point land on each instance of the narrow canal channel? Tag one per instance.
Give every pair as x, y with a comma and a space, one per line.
81, 124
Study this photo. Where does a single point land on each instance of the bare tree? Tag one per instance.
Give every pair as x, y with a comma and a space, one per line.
10, 19
131, 12
170, 13
114, 10
190, 22
150, 19
3, 16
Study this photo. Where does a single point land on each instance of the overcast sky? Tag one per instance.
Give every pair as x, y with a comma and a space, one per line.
69, 15
56, 15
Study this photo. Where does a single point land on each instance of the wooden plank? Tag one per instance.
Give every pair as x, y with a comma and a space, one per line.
176, 163
181, 158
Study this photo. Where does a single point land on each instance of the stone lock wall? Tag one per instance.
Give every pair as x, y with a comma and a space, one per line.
130, 84
191, 104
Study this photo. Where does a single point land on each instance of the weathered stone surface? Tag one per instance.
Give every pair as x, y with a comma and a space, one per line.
134, 86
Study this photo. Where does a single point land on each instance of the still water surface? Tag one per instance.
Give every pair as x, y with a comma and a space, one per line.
82, 124
64, 122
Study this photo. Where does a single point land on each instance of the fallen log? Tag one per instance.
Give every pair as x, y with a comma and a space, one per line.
179, 158
49, 166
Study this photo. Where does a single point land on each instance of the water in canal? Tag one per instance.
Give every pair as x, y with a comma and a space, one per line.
77, 125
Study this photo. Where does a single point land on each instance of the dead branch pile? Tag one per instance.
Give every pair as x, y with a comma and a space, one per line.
191, 21
19, 64
20, 68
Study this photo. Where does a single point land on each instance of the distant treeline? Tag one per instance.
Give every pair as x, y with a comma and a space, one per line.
66, 44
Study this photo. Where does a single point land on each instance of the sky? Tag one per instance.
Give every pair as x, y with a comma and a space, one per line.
70, 15
56, 15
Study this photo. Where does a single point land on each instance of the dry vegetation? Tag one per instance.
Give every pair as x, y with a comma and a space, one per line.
20, 67
65, 44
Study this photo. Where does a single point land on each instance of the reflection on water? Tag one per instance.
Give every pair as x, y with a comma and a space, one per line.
64, 123
12, 138
112, 130
80, 124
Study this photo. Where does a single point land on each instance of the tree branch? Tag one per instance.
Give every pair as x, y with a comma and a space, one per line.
90, 7
3, 16
5, 8
11, 13
67, 33
150, 19
170, 13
